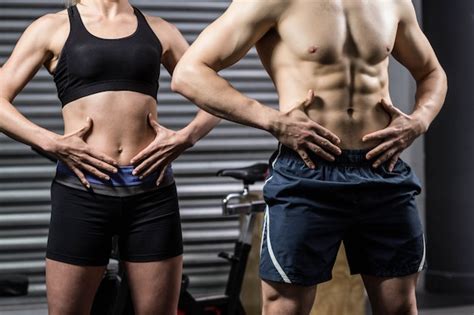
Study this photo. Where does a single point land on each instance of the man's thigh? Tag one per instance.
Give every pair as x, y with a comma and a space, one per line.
392, 295
282, 298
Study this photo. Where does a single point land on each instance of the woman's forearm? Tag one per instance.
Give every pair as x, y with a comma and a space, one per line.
18, 127
200, 126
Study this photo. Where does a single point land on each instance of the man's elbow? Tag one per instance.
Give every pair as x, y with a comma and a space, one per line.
182, 78
444, 78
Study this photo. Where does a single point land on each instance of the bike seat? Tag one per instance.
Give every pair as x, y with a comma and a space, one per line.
250, 174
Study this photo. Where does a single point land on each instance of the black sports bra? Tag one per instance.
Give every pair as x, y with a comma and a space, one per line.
89, 64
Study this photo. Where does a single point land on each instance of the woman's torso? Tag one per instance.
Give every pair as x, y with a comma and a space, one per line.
95, 69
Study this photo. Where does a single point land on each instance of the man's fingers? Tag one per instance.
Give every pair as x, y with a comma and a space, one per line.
304, 156
320, 152
325, 133
385, 157
382, 147
380, 134
309, 98
393, 161
84, 130
80, 175
326, 144
391, 109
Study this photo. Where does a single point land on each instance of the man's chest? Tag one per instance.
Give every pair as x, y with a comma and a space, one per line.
328, 31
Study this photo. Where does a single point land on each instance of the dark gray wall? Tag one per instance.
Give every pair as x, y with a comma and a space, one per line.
450, 151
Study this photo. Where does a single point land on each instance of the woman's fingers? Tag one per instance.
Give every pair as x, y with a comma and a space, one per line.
162, 175
94, 162
93, 170
80, 175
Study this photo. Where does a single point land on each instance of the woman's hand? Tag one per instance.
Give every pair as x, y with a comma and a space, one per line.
79, 156
164, 149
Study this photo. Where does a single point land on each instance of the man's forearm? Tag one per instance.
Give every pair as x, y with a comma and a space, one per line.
430, 96
204, 87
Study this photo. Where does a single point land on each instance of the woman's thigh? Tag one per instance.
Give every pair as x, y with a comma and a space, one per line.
155, 285
71, 288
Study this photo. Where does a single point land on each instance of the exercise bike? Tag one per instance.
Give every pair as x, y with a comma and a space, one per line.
247, 204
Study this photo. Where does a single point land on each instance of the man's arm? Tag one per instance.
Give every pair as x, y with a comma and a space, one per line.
221, 45
413, 51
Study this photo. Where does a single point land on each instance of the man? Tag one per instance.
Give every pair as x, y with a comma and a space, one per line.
336, 174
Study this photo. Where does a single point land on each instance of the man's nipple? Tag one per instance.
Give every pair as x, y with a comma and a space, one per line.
312, 49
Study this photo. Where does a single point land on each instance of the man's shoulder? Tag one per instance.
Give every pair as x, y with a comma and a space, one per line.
405, 10
264, 8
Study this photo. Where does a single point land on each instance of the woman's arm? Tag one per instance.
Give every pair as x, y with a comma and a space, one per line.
35, 48
168, 145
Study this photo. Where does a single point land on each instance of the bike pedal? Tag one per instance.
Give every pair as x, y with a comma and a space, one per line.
228, 257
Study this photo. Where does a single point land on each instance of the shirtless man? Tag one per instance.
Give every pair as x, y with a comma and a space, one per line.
336, 174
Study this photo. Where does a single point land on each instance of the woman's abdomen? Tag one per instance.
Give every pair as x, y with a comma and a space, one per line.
120, 126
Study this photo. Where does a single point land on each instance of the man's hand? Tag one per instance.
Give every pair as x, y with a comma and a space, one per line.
396, 137
80, 157
164, 149
299, 132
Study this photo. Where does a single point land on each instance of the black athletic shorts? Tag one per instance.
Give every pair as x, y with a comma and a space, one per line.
145, 218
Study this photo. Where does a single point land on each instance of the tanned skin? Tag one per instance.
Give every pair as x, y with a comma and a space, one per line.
329, 62
101, 132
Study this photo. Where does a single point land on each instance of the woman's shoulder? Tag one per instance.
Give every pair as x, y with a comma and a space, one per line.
167, 32
51, 20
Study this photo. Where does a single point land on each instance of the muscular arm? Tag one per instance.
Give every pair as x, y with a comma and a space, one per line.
175, 46
413, 50
31, 51
219, 46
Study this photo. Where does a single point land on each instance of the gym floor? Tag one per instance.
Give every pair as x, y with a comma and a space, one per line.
429, 304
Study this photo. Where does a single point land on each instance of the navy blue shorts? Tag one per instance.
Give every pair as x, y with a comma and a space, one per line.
309, 212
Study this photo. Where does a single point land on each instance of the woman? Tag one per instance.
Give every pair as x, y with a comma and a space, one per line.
113, 174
